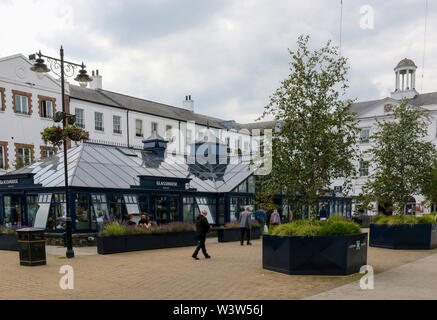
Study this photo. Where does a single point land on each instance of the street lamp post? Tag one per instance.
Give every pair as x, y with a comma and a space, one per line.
63, 68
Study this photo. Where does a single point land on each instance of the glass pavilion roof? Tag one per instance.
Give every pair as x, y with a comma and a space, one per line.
105, 166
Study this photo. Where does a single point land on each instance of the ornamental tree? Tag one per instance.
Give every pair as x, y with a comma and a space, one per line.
316, 141
401, 158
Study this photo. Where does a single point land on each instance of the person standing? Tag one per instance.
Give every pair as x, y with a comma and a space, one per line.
202, 228
245, 224
323, 213
275, 219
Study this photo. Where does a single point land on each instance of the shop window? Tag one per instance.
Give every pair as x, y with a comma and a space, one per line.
116, 124
32, 208
57, 217
12, 210
100, 209
98, 121
209, 205
251, 184
188, 209
143, 202
83, 212
117, 208
139, 128
221, 211
80, 118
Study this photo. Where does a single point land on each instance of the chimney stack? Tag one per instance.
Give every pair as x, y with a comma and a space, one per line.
97, 80
188, 104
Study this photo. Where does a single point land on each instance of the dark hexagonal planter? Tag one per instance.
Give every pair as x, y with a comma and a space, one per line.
321, 255
234, 234
403, 236
9, 241
135, 242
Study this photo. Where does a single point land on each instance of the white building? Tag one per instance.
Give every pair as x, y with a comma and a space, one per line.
368, 111
28, 101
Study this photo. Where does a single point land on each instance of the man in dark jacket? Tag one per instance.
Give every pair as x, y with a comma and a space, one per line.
202, 228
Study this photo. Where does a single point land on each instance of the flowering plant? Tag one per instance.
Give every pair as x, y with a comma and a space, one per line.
56, 135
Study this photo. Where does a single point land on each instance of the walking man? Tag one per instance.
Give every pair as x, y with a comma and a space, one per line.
202, 228
245, 224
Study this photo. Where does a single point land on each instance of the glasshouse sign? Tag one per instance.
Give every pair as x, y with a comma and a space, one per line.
163, 183
15, 180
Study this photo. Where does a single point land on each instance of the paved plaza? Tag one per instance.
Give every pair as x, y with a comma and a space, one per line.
234, 272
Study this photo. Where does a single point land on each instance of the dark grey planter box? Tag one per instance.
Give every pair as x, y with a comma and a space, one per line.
135, 242
403, 236
363, 221
234, 234
321, 255
9, 241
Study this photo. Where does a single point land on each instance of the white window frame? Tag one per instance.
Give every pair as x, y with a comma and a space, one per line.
45, 108
168, 130
19, 104
22, 152
156, 125
361, 136
140, 133
80, 121
116, 127
102, 128
364, 167
47, 153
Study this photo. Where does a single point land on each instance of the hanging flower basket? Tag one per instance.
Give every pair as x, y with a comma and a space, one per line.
75, 133
55, 135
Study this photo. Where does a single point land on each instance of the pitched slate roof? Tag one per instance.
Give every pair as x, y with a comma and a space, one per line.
104, 166
119, 100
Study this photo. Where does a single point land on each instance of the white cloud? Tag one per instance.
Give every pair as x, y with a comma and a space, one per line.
229, 55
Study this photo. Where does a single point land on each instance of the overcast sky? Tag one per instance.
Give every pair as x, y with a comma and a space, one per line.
230, 55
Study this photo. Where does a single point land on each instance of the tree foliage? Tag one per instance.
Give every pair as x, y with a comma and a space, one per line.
315, 142
400, 156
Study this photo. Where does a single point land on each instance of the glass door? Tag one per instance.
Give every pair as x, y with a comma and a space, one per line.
173, 206
161, 210
13, 210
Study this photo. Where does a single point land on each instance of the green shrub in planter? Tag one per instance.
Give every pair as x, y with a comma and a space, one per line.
428, 218
335, 225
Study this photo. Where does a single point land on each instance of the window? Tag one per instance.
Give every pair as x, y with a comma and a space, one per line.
139, 127
46, 109
168, 133
83, 211
47, 153
188, 209
189, 136
116, 122
23, 157
21, 104
364, 135
2, 157
364, 168
154, 127
246, 146
80, 119
98, 119
57, 218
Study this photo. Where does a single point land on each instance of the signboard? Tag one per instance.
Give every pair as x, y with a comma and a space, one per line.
163, 183
17, 180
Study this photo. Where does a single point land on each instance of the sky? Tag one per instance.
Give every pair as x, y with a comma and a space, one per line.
229, 55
